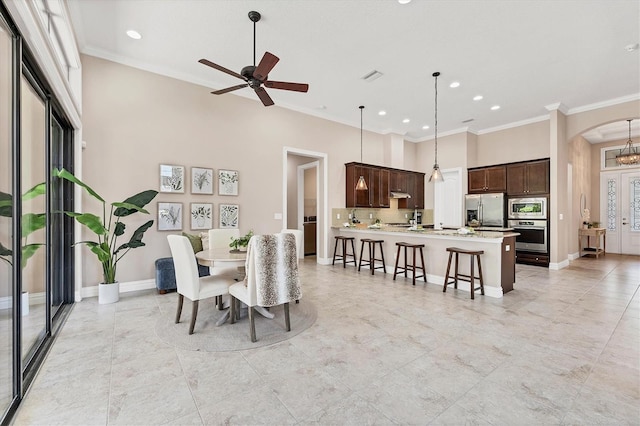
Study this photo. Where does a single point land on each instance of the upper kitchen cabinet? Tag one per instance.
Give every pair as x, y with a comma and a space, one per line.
416, 189
398, 181
377, 179
530, 178
487, 179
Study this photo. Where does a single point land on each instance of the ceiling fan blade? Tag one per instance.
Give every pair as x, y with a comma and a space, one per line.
264, 96
230, 89
283, 85
221, 68
266, 64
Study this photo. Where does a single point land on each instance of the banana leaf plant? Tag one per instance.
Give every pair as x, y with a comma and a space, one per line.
108, 229
31, 222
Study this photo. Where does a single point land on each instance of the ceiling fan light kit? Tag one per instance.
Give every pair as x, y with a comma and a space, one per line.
257, 76
628, 155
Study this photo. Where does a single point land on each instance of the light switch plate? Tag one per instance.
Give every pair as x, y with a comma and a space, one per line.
337, 215
277, 216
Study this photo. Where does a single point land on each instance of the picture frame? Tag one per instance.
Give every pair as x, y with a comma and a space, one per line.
228, 182
229, 215
169, 216
201, 180
171, 178
201, 216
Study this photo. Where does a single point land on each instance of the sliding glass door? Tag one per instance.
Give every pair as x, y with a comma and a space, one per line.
6, 222
36, 262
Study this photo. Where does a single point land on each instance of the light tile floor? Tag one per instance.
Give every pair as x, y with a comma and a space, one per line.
562, 348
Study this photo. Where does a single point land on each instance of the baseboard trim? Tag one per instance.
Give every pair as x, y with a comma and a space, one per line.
559, 265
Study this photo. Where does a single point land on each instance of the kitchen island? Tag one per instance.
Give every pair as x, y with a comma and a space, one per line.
498, 260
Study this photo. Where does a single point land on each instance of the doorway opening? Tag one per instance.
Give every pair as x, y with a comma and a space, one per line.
304, 192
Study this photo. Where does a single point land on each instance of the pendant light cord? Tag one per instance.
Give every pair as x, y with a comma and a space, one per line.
361, 108
254, 44
436, 74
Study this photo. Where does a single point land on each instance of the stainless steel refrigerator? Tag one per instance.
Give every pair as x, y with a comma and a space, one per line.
485, 209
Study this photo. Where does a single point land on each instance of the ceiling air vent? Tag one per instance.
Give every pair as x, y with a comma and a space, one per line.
468, 121
373, 75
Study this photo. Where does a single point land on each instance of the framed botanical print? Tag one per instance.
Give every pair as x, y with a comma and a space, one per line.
229, 215
228, 182
169, 216
201, 180
171, 178
201, 215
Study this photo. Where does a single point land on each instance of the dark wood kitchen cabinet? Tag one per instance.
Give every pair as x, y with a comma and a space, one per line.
377, 179
380, 182
398, 181
530, 178
487, 179
415, 187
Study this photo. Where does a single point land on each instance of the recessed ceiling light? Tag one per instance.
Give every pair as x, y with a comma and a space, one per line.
134, 34
425, 127
404, 1
406, 120
632, 47
382, 112
454, 84
477, 98
495, 107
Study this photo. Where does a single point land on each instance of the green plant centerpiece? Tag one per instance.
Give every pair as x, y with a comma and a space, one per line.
238, 244
109, 228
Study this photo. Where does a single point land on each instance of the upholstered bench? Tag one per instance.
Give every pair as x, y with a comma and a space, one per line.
166, 274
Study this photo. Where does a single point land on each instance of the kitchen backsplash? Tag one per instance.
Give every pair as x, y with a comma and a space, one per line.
369, 216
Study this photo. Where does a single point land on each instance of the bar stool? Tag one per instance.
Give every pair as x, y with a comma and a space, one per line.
463, 277
372, 255
344, 253
412, 266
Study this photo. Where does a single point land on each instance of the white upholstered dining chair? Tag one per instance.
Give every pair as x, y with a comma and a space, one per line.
188, 283
271, 277
299, 240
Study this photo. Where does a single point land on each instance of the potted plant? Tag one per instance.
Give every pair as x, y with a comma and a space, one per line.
31, 222
107, 230
240, 244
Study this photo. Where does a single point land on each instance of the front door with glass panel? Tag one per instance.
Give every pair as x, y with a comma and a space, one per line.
620, 210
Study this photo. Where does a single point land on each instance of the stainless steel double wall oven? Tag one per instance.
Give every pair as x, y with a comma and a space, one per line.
529, 217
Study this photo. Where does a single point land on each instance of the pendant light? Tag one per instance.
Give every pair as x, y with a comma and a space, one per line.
632, 156
362, 184
436, 174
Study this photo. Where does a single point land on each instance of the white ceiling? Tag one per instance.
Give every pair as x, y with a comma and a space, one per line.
522, 55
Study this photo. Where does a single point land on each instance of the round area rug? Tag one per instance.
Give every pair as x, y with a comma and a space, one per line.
231, 337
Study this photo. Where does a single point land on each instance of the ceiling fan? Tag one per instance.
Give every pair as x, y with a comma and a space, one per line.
256, 76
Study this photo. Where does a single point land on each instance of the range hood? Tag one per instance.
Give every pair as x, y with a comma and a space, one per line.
395, 194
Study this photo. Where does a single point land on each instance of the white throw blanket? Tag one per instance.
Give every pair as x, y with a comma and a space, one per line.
272, 267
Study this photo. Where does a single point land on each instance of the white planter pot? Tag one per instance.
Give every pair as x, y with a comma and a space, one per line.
108, 293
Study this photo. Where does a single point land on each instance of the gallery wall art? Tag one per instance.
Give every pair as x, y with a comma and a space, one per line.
229, 215
171, 178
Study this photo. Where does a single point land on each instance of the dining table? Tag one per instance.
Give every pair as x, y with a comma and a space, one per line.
222, 256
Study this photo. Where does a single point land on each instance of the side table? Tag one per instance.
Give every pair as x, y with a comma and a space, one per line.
597, 250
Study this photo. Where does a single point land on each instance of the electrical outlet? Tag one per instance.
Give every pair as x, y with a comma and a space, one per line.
507, 248
370, 215
406, 216
349, 215
337, 215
